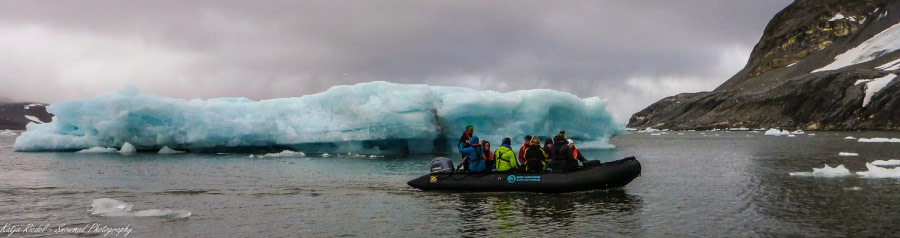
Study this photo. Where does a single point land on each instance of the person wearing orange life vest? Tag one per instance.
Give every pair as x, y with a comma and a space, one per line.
522, 150
576, 155
487, 156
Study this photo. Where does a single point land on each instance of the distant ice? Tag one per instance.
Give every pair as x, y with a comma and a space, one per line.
879, 172
127, 148
98, 149
893, 162
34, 119
880, 44
167, 150
875, 85
27, 107
826, 171
879, 140
848, 154
285, 153
326, 155
376, 117
849, 138
777, 132
7, 133
840, 16
649, 130
109, 207
791, 135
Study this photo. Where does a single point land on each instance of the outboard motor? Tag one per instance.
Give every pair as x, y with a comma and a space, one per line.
441, 165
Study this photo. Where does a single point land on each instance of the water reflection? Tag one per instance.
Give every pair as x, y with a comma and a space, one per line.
530, 214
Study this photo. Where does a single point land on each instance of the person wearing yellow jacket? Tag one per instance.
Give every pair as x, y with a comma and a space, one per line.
505, 157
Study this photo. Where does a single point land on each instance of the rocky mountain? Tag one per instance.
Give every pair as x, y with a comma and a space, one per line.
820, 65
14, 116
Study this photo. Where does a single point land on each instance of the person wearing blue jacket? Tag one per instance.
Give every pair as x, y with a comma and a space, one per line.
474, 154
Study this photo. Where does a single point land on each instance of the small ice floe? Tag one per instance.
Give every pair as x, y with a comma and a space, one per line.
879, 140
848, 154
811, 134
791, 135
127, 148
98, 149
109, 207
893, 162
655, 134
376, 156
826, 171
849, 138
777, 132
285, 153
167, 150
7, 133
798, 132
879, 172
853, 189
326, 155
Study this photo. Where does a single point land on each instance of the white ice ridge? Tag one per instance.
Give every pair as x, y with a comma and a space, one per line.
893, 162
880, 44
873, 86
879, 140
848, 154
879, 172
368, 117
826, 171
109, 207
99, 149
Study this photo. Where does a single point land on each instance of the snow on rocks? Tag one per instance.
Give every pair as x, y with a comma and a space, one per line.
886, 41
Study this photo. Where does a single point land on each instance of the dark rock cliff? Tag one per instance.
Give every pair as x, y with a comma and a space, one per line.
13, 115
783, 84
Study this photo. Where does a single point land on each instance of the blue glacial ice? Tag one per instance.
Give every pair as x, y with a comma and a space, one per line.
372, 118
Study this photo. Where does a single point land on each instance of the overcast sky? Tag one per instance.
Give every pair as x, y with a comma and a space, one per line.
629, 52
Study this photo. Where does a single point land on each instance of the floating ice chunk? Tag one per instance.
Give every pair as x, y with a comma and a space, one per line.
167, 150
777, 132
326, 155
34, 119
826, 171
879, 140
798, 132
791, 135
853, 188
893, 162
127, 148
7, 133
655, 134
649, 130
848, 154
109, 207
885, 41
98, 149
376, 117
849, 138
285, 153
879, 172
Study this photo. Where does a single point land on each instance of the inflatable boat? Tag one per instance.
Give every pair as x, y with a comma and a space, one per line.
592, 176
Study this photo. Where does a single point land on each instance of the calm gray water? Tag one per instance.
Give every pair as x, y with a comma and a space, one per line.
713, 185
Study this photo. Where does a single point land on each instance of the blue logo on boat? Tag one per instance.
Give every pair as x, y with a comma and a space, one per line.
511, 178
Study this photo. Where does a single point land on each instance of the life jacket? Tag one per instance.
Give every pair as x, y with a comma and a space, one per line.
488, 155
575, 153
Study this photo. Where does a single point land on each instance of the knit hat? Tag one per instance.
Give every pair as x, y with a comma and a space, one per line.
571, 142
506, 141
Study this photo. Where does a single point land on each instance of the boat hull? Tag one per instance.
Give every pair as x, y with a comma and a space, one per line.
603, 176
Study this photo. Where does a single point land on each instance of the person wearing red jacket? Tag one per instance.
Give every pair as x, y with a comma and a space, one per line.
522, 149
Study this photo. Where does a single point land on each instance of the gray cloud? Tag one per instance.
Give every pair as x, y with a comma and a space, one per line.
630, 52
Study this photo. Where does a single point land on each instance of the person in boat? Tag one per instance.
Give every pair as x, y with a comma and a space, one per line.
487, 156
475, 154
547, 144
506, 157
535, 156
463, 144
522, 150
576, 155
560, 154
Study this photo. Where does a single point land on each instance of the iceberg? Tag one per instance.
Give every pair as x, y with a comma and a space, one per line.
167, 150
777, 132
826, 171
109, 207
370, 118
127, 148
879, 172
893, 162
7, 133
99, 149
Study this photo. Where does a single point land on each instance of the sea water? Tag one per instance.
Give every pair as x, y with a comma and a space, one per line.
692, 184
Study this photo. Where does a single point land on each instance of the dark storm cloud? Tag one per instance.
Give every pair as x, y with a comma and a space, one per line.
630, 52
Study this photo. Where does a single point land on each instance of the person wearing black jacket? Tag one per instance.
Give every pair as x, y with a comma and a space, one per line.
560, 154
